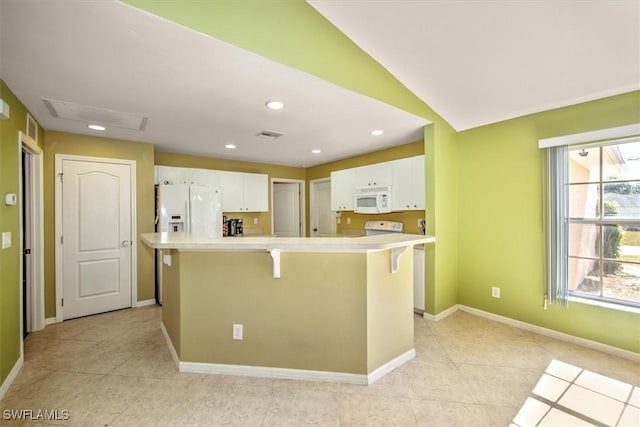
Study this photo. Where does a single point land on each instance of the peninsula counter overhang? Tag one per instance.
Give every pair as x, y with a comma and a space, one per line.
189, 242
397, 243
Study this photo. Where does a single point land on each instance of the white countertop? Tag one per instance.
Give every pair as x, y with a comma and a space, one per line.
189, 242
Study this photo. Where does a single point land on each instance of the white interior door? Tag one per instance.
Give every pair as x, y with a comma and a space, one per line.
96, 240
286, 210
323, 221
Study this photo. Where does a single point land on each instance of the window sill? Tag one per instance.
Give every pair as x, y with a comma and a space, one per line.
604, 304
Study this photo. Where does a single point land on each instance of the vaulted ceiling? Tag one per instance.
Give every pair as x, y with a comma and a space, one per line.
473, 62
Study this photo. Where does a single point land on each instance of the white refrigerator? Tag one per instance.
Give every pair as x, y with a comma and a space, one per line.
189, 208
194, 209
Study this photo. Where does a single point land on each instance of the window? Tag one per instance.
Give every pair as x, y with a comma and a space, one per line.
594, 221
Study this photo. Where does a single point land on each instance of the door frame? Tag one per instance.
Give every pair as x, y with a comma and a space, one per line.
59, 158
301, 188
312, 204
35, 296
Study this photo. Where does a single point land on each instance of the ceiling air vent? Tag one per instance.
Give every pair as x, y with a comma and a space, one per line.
89, 114
270, 134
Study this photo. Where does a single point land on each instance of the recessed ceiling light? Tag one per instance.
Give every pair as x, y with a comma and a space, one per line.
316, 151
230, 146
96, 127
377, 132
275, 105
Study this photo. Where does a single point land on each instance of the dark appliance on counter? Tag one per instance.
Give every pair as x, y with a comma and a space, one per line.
232, 227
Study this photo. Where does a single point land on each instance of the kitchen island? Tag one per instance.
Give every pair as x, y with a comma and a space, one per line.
333, 309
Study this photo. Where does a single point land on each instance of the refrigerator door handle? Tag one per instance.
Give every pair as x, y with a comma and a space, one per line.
187, 222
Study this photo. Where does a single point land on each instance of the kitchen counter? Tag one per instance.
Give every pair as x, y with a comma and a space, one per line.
186, 241
327, 309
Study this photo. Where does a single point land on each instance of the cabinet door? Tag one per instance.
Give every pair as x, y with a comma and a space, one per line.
376, 175
408, 184
256, 192
232, 191
402, 185
342, 189
418, 183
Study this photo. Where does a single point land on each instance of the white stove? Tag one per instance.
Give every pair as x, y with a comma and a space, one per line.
372, 228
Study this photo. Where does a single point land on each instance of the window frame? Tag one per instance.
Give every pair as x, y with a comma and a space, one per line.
558, 207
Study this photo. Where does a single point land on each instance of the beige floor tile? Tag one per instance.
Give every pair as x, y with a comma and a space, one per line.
429, 349
498, 385
233, 405
391, 384
630, 417
496, 351
550, 387
466, 368
556, 418
100, 403
446, 414
372, 410
605, 385
436, 381
531, 413
163, 403
594, 405
300, 407
50, 392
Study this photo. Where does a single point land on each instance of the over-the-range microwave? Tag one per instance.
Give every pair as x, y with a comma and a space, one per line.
372, 200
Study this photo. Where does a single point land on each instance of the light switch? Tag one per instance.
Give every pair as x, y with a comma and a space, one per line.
6, 239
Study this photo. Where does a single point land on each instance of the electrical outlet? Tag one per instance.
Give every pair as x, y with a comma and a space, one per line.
255, 221
338, 220
348, 220
495, 292
237, 332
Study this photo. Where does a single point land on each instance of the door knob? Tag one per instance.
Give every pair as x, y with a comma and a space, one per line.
125, 243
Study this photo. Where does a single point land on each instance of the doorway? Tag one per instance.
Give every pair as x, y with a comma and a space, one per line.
287, 208
323, 219
95, 229
31, 235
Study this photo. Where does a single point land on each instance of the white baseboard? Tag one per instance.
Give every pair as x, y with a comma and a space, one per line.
390, 366
554, 334
448, 312
284, 373
146, 302
172, 350
50, 321
268, 372
11, 377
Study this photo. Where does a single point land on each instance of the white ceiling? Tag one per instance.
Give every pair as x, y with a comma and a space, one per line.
197, 93
479, 62
474, 62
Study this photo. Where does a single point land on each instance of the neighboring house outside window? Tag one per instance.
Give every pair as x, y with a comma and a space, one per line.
604, 221
594, 221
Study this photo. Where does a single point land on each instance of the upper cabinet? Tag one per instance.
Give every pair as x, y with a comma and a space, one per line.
241, 192
376, 175
408, 184
342, 186
406, 176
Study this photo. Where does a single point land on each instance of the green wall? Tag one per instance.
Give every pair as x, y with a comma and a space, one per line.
83, 145
501, 220
10, 221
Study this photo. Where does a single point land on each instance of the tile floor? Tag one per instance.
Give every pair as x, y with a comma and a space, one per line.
114, 370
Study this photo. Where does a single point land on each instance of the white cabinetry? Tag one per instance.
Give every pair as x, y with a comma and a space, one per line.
241, 192
408, 184
342, 189
244, 192
376, 175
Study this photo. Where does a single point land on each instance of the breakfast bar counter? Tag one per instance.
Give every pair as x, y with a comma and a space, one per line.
330, 309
